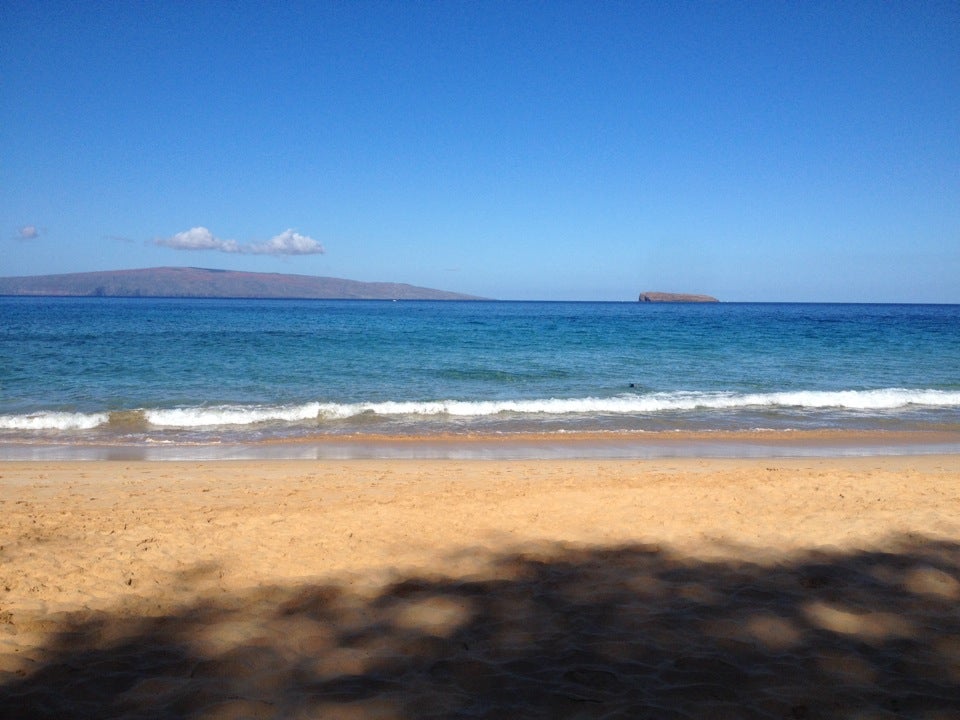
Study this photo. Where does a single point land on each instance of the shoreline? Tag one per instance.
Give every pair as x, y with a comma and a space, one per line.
513, 446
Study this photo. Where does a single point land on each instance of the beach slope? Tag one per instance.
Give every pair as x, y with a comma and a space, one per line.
687, 588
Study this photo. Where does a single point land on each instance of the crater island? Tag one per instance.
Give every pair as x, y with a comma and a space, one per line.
665, 297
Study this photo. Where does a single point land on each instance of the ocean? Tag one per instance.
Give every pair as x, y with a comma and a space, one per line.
199, 377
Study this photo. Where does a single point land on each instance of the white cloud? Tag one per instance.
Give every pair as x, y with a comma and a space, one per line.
28, 232
198, 238
289, 242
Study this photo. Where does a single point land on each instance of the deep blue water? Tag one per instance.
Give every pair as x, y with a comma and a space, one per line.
144, 370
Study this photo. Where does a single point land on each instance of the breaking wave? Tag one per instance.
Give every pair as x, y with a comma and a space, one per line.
629, 404
53, 421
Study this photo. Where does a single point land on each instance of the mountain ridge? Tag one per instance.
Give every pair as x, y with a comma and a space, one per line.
215, 283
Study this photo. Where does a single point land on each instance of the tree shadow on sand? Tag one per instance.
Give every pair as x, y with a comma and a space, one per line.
618, 632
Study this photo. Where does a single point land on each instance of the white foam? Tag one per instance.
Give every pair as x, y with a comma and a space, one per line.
886, 399
881, 399
230, 415
53, 421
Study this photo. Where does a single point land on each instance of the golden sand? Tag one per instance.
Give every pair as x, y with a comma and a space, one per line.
803, 588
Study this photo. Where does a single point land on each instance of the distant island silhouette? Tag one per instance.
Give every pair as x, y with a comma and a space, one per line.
665, 297
211, 283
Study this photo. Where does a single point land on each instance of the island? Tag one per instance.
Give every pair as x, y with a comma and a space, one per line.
665, 297
190, 282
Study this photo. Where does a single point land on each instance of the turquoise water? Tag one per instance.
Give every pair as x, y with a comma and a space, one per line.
82, 370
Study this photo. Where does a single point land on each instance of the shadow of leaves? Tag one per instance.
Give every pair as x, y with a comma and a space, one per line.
612, 632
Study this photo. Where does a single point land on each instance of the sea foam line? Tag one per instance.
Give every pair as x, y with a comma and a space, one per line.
53, 421
225, 415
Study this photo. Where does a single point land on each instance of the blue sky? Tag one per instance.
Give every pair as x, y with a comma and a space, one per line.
517, 150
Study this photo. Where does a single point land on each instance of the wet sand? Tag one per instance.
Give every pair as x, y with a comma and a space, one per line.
598, 445
669, 588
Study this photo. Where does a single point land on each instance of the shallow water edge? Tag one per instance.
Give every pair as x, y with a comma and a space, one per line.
518, 446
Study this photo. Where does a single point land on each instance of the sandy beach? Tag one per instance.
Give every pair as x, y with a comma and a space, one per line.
665, 588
